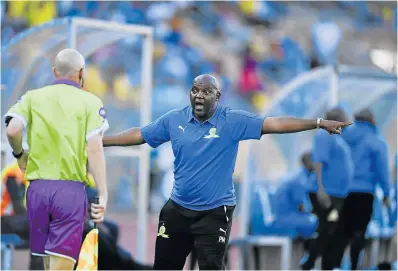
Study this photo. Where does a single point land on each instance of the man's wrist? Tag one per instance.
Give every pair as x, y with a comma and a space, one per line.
319, 122
18, 154
103, 195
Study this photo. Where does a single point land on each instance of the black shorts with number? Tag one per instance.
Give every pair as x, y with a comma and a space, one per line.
181, 229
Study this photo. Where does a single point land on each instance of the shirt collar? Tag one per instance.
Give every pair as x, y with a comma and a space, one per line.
212, 120
66, 82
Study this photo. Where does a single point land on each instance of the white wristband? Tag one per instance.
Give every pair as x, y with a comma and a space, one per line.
318, 122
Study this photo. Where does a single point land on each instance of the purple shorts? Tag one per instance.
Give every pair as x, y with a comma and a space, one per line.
56, 210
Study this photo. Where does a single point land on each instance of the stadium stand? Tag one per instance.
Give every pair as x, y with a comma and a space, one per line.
256, 49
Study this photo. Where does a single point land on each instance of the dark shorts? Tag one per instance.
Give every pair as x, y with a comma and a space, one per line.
56, 213
180, 230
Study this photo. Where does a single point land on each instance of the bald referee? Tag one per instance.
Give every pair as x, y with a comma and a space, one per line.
205, 138
64, 129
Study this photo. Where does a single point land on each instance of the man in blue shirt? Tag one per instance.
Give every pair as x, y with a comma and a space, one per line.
291, 206
205, 138
370, 155
333, 165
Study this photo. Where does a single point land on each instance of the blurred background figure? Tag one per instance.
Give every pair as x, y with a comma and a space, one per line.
371, 168
333, 165
291, 203
14, 219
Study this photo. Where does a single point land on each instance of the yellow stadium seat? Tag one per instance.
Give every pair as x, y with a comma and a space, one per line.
40, 12
121, 87
17, 9
260, 100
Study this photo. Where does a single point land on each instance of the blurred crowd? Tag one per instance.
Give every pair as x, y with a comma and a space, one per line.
253, 47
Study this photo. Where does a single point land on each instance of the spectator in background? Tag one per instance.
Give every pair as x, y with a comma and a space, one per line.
286, 61
334, 168
14, 219
291, 206
294, 59
250, 81
13, 191
370, 155
175, 35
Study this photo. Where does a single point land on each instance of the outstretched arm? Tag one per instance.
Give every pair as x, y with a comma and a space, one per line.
283, 125
129, 137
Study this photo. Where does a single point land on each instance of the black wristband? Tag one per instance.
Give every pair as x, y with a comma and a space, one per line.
19, 155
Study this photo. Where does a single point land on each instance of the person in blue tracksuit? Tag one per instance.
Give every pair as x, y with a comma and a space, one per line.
371, 162
291, 206
291, 199
332, 161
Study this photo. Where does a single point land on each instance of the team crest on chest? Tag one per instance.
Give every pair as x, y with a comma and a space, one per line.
212, 134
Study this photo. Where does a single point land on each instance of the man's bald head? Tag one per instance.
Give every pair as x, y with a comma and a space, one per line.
68, 63
204, 96
206, 80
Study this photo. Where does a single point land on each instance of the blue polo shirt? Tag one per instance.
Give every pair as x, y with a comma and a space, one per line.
205, 153
338, 167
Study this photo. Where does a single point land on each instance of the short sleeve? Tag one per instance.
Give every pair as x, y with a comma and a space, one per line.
320, 148
244, 125
97, 122
157, 132
21, 110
